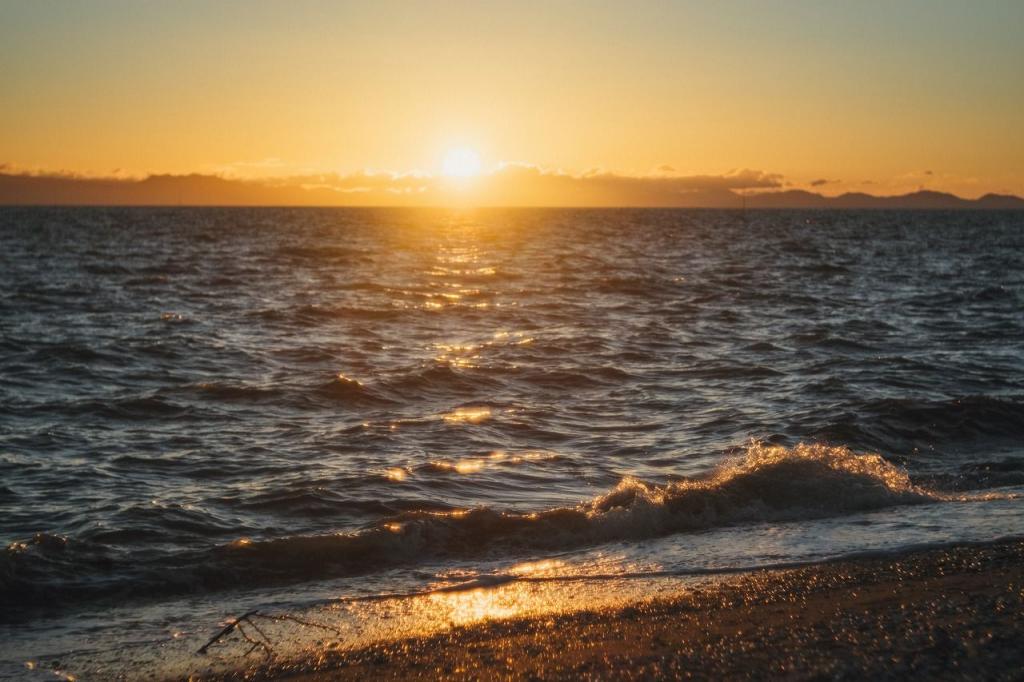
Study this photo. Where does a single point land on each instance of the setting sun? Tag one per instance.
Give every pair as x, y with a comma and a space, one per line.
461, 163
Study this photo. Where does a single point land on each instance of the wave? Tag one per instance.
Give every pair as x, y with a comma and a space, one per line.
315, 314
439, 380
240, 392
830, 340
593, 377
71, 352
348, 390
767, 483
903, 426
339, 388
1008, 471
128, 408
325, 253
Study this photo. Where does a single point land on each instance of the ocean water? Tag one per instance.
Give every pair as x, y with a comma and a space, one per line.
204, 411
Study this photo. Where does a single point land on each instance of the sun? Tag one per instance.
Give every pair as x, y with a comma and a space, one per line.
461, 163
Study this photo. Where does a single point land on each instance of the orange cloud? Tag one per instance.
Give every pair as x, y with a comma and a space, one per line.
512, 184
524, 184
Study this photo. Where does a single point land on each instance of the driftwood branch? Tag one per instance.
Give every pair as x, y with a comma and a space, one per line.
262, 641
227, 630
268, 651
300, 621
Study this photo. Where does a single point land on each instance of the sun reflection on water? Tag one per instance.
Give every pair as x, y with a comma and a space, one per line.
496, 458
397, 474
538, 568
479, 604
468, 415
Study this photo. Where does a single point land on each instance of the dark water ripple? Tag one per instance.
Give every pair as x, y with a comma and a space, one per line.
175, 380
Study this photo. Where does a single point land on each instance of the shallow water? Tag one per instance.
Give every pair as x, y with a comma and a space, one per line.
203, 407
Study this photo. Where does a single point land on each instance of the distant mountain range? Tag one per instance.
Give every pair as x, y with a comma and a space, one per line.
923, 199
211, 190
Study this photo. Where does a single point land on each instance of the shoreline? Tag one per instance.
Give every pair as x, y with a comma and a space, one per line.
953, 612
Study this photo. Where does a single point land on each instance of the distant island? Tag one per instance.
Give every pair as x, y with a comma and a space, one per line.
923, 199
524, 187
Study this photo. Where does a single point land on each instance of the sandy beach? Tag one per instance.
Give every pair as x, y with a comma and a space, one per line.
952, 613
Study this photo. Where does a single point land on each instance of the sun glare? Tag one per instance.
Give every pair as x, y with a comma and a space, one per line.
461, 163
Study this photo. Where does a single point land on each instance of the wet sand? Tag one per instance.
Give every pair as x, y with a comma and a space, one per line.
940, 613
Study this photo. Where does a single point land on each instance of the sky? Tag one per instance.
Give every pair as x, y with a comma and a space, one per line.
867, 96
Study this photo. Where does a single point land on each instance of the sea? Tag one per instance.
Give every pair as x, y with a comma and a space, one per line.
369, 423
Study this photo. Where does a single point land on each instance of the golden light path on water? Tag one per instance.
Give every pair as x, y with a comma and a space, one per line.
459, 278
468, 415
458, 258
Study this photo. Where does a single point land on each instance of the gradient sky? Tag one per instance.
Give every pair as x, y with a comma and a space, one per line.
881, 96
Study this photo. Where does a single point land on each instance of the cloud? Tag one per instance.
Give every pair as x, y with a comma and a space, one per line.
527, 184
361, 181
822, 181
509, 184
515, 184
250, 169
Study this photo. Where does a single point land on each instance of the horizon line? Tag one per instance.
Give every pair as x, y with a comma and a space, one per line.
536, 207
520, 186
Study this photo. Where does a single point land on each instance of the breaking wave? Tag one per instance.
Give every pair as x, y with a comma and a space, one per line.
766, 483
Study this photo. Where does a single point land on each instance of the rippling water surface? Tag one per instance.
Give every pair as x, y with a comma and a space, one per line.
198, 403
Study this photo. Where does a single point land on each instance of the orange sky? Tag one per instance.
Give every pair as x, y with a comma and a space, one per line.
871, 96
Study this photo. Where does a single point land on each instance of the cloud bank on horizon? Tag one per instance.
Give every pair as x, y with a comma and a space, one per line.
510, 184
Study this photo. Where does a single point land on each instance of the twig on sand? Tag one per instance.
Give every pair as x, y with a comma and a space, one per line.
264, 642
300, 621
227, 630
268, 651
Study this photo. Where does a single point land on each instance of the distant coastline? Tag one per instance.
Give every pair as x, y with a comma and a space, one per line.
923, 199
18, 189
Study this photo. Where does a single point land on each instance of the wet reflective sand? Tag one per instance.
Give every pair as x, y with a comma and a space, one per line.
936, 614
